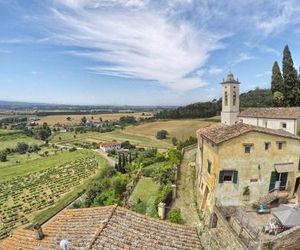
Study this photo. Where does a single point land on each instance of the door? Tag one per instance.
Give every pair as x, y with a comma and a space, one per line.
283, 180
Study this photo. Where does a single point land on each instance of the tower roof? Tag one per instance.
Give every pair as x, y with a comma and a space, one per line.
230, 79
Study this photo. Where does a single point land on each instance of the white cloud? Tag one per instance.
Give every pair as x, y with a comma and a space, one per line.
263, 74
241, 58
140, 44
215, 70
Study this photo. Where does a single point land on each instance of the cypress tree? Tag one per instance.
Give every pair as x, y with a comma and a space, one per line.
291, 91
276, 84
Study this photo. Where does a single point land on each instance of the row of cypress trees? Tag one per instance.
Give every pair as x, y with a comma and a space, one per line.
285, 86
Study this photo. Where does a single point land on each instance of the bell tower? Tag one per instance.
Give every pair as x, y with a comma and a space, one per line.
230, 100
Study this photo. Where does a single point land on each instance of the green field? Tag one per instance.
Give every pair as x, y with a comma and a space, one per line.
45, 185
146, 190
11, 140
141, 135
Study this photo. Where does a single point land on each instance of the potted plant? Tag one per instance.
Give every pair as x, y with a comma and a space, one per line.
246, 193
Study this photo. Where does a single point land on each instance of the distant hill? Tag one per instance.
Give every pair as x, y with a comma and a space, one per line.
252, 98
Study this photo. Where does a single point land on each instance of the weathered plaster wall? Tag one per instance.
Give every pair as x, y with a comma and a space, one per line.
271, 123
254, 169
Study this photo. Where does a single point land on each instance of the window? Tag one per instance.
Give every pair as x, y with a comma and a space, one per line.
267, 145
228, 176
209, 167
283, 125
226, 98
247, 148
265, 123
234, 98
280, 145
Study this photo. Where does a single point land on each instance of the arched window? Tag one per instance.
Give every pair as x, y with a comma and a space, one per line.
234, 98
226, 98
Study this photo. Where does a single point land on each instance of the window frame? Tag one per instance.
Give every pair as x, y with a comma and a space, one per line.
209, 166
248, 145
267, 146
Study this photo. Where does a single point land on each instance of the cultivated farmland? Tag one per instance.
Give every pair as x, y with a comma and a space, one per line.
62, 119
35, 189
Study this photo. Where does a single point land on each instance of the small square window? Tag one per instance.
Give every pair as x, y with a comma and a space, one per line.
280, 145
283, 125
267, 145
247, 148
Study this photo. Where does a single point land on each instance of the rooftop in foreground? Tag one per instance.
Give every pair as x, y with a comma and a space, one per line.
110, 227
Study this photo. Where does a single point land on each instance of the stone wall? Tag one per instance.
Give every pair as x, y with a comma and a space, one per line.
288, 240
225, 235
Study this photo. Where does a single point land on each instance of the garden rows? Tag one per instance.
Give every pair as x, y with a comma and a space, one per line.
21, 196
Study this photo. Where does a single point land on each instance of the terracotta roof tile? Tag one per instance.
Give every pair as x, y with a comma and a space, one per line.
284, 113
219, 133
108, 227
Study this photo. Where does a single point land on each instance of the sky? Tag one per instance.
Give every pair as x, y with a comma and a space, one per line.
140, 52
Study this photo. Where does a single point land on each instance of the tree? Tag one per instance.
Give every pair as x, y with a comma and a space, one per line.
69, 118
174, 141
22, 147
83, 120
278, 99
162, 134
277, 84
291, 91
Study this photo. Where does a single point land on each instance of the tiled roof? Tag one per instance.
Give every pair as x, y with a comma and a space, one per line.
219, 132
108, 227
109, 144
284, 113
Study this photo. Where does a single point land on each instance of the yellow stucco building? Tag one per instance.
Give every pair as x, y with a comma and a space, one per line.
241, 164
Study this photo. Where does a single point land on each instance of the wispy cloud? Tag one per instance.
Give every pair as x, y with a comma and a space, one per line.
143, 44
5, 51
241, 58
263, 74
215, 70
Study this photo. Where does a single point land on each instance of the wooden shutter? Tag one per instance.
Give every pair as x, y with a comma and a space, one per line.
235, 177
221, 176
273, 179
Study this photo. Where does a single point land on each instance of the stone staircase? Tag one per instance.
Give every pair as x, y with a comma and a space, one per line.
270, 197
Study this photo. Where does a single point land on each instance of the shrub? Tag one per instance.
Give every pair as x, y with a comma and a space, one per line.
22, 147
72, 149
162, 134
174, 216
3, 156
141, 207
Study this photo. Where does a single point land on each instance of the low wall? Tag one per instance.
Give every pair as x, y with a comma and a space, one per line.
226, 236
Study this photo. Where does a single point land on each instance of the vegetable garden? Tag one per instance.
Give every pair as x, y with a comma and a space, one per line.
21, 196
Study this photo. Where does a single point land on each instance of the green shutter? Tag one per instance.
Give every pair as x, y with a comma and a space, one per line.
273, 179
235, 177
221, 176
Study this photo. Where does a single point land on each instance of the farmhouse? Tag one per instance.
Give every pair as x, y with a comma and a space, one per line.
109, 146
249, 159
109, 227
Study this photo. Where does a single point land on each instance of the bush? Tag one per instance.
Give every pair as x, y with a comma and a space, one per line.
22, 147
162, 134
3, 156
72, 149
163, 194
174, 216
140, 207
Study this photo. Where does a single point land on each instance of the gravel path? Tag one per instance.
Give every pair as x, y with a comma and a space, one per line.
185, 194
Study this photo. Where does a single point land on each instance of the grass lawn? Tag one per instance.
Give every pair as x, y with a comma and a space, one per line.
146, 190
9, 172
8, 131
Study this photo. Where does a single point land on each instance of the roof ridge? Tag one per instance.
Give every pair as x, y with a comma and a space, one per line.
101, 228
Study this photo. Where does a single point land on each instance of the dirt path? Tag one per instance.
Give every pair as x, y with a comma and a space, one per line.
185, 194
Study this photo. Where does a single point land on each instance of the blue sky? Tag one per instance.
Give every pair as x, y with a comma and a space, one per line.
140, 52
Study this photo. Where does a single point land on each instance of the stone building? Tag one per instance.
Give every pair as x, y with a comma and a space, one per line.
110, 146
287, 119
